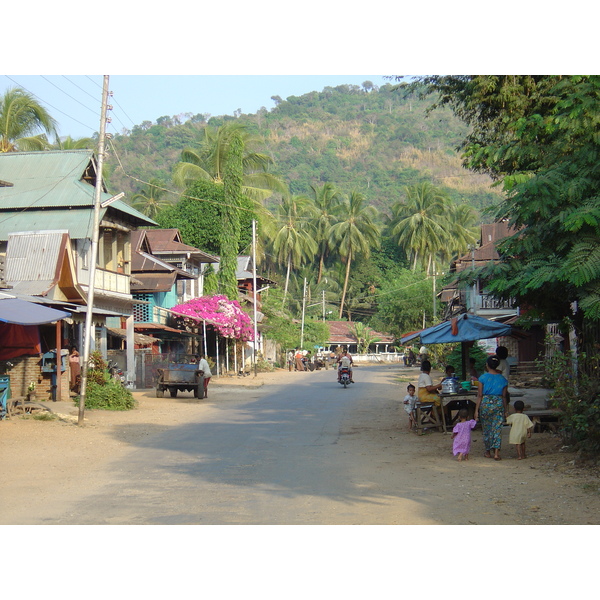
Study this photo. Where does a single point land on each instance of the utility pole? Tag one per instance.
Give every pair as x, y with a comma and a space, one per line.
303, 310
434, 296
93, 253
254, 290
323, 306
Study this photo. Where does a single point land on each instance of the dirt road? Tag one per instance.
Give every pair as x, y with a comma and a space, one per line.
401, 478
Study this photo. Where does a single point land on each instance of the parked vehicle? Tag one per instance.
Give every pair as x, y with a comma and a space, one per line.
116, 372
180, 375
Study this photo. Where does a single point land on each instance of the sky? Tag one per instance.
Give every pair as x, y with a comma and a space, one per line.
201, 58
75, 100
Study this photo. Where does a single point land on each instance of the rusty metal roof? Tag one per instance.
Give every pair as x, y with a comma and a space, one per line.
153, 282
340, 332
167, 242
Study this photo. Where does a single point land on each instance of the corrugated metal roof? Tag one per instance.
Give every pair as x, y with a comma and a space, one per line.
78, 222
46, 179
33, 257
54, 179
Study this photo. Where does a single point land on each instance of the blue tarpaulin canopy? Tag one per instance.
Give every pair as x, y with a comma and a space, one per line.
21, 312
464, 328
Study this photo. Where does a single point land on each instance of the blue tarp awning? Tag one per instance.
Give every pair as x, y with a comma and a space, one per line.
464, 328
21, 312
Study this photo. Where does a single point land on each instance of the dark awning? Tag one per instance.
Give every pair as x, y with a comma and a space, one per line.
21, 312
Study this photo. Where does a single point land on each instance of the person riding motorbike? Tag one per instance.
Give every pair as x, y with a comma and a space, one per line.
345, 361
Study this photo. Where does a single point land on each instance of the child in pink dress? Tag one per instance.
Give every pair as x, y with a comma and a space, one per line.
461, 435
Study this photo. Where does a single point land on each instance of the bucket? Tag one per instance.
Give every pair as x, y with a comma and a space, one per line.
465, 385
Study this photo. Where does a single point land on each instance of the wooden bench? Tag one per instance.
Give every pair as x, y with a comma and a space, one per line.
428, 416
544, 419
20, 404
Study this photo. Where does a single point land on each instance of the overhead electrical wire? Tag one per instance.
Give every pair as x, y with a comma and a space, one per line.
48, 104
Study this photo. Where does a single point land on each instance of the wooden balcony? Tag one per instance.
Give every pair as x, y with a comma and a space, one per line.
109, 281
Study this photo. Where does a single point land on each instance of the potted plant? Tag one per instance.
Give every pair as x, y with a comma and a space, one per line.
31, 396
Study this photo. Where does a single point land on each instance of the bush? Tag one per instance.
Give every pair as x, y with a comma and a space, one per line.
576, 393
103, 392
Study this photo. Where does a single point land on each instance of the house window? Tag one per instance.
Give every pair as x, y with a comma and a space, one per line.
142, 313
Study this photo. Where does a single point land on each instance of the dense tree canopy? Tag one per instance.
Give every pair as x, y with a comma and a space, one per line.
539, 137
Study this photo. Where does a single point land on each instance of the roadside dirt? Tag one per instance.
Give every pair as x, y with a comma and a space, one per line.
51, 461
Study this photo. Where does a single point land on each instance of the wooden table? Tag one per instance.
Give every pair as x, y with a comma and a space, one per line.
450, 402
463, 399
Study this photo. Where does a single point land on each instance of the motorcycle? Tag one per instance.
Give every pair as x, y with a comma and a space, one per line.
116, 372
345, 377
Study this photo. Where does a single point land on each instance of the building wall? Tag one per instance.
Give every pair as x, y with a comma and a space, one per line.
29, 368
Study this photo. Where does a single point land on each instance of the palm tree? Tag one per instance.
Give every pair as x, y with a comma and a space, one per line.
355, 233
420, 222
365, 336
327, 201
209, 162
74, 144
150, 200
462, 230
21, 116
294, 238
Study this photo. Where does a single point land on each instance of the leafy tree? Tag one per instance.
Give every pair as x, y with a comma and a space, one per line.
197, 215
538, 136
21, 116
230, 217
355, 233
402, 301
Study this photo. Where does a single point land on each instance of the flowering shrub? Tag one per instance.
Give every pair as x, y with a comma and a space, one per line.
225, 315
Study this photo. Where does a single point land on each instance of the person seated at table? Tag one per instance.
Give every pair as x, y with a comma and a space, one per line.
426, 389
473, 374
450, 372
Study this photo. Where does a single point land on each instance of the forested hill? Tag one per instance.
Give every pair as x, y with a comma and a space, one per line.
371, 139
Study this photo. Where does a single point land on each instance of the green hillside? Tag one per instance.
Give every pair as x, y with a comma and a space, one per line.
370, 139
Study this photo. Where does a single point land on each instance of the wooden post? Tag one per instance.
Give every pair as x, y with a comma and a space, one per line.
57, 395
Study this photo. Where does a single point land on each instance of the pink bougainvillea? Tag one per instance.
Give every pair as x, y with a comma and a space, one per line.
225, 315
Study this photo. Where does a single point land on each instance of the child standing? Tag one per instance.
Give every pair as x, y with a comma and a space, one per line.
521, 427
461, 435
410, 400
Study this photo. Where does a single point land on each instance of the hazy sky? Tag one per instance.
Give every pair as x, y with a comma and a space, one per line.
74, 100
215, 58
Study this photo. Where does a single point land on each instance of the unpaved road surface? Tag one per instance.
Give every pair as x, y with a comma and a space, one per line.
284, 448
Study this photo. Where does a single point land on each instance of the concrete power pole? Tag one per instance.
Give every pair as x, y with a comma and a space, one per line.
93, 253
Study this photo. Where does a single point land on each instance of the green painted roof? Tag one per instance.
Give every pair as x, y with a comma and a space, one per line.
54, 189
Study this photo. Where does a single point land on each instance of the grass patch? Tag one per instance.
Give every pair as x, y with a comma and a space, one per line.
44, 416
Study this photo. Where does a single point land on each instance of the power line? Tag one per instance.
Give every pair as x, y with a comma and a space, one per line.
79, 87
67, 94
50, 105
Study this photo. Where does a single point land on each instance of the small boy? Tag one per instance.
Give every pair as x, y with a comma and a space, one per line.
521, 427
410, 400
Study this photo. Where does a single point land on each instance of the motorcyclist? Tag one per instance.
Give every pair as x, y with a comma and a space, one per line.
345, 361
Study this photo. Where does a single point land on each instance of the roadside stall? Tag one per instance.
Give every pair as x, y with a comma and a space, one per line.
465, 328
19, 336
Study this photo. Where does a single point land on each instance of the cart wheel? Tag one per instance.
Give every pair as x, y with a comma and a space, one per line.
173, 393
160, 393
